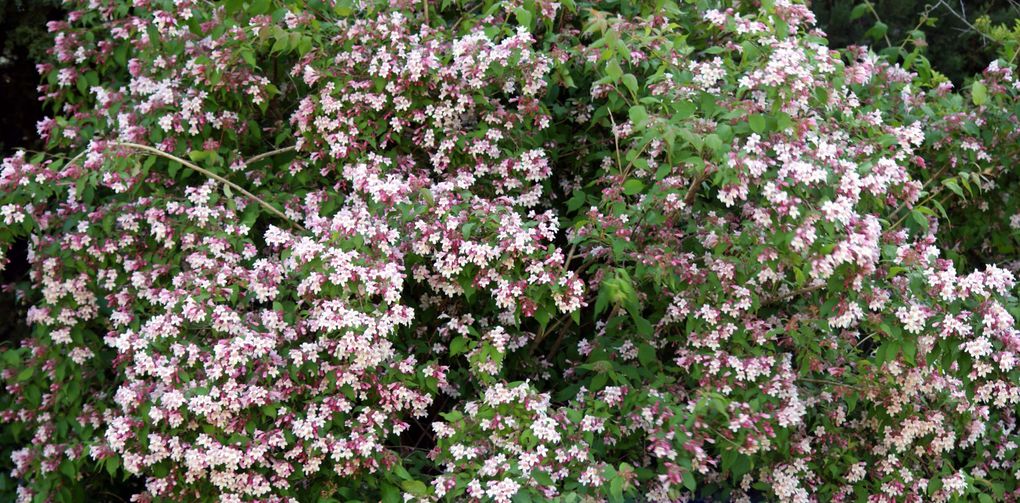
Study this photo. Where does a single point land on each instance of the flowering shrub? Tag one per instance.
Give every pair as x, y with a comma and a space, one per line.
509, 251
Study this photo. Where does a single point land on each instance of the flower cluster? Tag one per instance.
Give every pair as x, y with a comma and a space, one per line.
453, 251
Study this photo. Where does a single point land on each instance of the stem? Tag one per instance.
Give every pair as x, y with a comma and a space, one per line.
570, 256
692, 192
626, 170
271, 153
210, 174
829, 382
862, 341
904, 217
616, 143
790, 295
888, 43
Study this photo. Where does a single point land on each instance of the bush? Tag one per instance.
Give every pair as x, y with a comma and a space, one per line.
506, 251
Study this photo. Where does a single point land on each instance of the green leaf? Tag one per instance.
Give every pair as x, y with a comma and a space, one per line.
576, 201
523, 16
858, 11
270, 411
112, 464
616, 489
646, 355
633, 186
741, 465
390, 493
638, 115
784, 121
910, 350
120, 54
415, 487
684, 109
248, 56
601, 301
713, 142
689, 481
877, 31
757, 123
951, 184
542, 477
630, 81
452, 416
613, 70
402, 472
919, 218
979, 93
257, 7
280, 45
198, 155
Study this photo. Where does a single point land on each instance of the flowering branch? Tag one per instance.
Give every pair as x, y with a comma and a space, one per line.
214, 176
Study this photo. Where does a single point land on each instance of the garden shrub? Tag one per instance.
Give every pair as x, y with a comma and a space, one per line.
508, 251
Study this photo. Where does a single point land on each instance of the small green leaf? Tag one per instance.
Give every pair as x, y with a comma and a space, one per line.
616, 489
757, 123
877, 31
919, 218
458, 345
542, 477
630, 81
638, 115
257, 7
576, 201
858, 11
713, 142
689, 481
390, 493
979, 93
112, 464
684, 109
646, 355
613, 70
784, 121
415, 487
198, 155
248, 56
951, 184
633, 186
402, 472
523, 16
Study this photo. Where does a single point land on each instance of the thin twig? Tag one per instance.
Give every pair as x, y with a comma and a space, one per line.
616, 143
795, 293
832, 383
271, 153
888, 43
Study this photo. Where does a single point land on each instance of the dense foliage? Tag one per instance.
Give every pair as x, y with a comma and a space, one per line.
510, 251
957, 34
